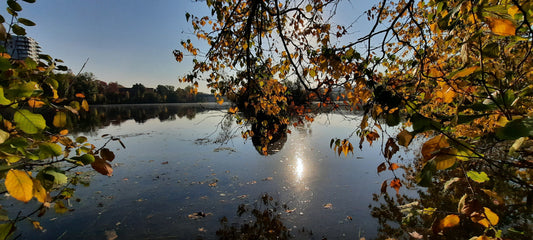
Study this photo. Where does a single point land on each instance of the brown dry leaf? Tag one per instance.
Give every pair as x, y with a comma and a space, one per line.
384, 187
382, 167
404, 138
107, 154
328, 206
101, 166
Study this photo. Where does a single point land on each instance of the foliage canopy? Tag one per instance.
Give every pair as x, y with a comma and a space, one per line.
457, 72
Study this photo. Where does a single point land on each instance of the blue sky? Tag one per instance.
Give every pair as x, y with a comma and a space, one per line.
126, 41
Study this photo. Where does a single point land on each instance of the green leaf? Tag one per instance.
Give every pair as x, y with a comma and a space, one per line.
14, 5
21, 90
516, 129
47, 150
6, 229
30, 123
12, 12
85, 159
54, 175
26, 22
2, 20
30, 63
81, 139
3, 136
4, 64
18, 30
478, 176
491, 50
3, 99
425, 177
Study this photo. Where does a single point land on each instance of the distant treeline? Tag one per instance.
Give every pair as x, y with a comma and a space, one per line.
100, 92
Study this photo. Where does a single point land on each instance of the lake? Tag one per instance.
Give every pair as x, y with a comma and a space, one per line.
186, 167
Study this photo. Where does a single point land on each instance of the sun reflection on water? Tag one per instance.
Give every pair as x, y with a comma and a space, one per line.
299, 170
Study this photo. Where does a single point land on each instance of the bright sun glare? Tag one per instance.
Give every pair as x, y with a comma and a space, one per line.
299, 168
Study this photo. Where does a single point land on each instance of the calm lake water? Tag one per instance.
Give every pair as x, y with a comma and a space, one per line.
174, 180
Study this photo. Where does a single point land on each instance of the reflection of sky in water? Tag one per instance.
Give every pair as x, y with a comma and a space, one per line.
164, 174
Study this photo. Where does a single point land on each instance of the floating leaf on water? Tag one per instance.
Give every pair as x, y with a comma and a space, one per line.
328, 206
111, 235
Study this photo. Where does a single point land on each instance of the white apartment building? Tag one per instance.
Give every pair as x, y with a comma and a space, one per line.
22, 47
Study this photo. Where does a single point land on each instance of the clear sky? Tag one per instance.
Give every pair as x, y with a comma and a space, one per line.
126, 41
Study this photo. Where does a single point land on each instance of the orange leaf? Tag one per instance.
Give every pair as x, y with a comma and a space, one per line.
63, 132
233, 110
35, 103
451, 220
396, 184
393, 166
502, 27
487, 219
80, 95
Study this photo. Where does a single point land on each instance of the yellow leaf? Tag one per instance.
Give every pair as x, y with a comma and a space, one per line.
19, 185
451, 220
308, 8
445, 158
220, 101
60, 119
37, 225
513, 10
63, 132
55, 94
38, 191
433, 146
500, 26
85, 105
487, 219
465, 72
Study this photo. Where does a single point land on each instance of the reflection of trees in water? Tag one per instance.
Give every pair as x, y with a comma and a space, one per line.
398, 216
263, 220
102, 116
